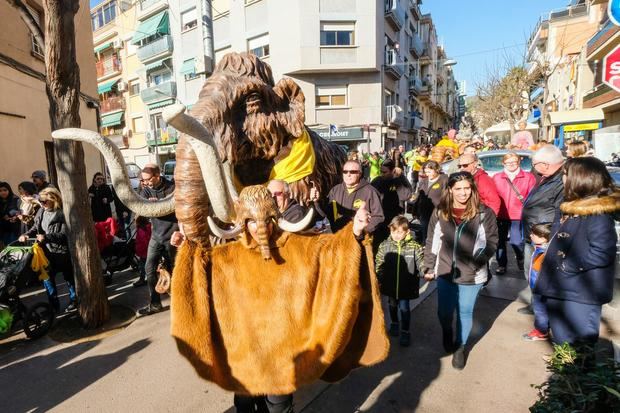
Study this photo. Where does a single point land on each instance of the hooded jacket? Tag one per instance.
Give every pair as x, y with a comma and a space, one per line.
344, 204
162, 227
543, 203
579, 263
459, 253
399, 266
511, 207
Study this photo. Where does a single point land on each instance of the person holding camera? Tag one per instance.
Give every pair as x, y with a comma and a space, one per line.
462, 238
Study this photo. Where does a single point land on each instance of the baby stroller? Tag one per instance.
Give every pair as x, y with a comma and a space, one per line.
15, 274
117, 254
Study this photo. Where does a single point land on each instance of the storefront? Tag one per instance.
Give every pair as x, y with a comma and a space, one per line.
351, 138
575, 124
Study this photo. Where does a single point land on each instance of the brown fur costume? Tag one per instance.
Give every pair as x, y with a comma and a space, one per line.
258, 326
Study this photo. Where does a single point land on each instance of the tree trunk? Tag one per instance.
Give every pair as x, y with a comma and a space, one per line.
543, 110
62, 87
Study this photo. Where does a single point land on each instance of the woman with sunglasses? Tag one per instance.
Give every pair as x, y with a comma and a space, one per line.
462, 237
101, 198
50, 230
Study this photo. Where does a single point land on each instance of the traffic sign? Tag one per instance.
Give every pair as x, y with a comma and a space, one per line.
611, 69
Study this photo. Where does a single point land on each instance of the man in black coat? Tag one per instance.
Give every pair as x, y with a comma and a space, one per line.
155, 187
289, 208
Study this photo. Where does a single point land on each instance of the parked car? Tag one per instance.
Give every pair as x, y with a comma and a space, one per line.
169, 170
133, 171
492, 161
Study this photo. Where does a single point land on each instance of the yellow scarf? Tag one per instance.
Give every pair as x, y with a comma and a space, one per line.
298, 164
39, 262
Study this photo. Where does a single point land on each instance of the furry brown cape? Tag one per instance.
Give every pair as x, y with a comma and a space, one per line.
268, 327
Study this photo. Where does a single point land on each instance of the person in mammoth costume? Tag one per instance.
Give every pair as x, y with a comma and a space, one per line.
274, 310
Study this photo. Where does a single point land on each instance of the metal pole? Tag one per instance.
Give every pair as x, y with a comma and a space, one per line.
207, 33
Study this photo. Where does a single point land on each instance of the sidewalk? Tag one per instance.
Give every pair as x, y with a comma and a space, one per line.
140, 370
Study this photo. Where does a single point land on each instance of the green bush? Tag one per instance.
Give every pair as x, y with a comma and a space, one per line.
579, 383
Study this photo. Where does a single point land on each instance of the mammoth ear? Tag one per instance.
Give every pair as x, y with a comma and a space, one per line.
293, 99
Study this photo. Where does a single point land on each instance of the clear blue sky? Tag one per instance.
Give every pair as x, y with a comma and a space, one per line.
479, 33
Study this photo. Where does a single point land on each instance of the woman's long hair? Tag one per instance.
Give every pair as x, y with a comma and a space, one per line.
8, 187
53, 195
586, 176
446, 204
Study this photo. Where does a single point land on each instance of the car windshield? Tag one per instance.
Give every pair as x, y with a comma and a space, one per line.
169, 169
494, 163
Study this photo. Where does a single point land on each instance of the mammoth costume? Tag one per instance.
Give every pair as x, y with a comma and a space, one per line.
270, 316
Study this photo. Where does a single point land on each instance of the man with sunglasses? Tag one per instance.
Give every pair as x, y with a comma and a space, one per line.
347, 197
486, 187
289, 208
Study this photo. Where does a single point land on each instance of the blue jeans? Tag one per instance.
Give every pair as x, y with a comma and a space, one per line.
59, 263
509, 231
460, 298
403, 307
541, 318
573, 322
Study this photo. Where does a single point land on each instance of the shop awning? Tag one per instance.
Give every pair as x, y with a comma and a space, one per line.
576, 116
106, 87
103, 47
151, 26
155, 65
112, 119
161, 104
188, 67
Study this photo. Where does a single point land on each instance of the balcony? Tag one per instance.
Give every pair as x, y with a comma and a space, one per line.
395, 115
600, 95
159, 92
112, 104
150, 7
414, 122
393, 65
415, 9
162, 136
601, 37
425, 57
161, 47
394, 15
416, 47
426, 90
415, 85
108, 67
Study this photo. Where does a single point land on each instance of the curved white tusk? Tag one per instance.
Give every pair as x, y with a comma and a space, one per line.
118, 173
296, 226
221, 194
223, 233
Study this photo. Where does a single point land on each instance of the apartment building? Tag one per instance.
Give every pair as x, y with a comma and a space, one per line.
150, 54
357, 62
558, 43
24, 119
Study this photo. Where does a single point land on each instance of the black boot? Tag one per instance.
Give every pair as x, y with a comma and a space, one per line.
459, 358
448, 341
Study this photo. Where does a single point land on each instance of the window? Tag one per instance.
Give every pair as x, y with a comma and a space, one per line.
137, 124
37, 48
103, 15
160, 77
331, 96
337, 34
189, 19
134, 87
259, 46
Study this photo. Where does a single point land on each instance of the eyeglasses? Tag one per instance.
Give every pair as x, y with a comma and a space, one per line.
464, 165
350, 172
277, 194
511, 163
540, 163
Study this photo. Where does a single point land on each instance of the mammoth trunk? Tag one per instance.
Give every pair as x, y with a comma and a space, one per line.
262, 232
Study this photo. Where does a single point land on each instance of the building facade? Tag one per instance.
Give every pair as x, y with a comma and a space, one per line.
24, 118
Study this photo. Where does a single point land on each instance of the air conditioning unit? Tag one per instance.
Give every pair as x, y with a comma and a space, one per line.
117, 44
122, 86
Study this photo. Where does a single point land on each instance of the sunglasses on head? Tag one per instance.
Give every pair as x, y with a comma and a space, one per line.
350, 172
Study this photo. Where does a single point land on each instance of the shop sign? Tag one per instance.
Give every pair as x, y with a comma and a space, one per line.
343, 134
611, 69
582, 126
392, 134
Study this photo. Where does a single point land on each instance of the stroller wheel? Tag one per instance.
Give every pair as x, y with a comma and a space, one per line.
38, 320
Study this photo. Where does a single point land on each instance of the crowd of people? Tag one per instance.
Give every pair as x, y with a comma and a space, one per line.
557, 218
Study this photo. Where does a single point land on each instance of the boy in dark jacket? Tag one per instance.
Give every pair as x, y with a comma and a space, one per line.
398, 263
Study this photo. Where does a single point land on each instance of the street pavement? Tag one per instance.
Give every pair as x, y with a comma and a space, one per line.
140, 370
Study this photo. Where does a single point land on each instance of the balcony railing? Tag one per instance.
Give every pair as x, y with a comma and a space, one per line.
111, 104
395, 115
426, 89
394, 15
416, 47
414, 122
147, 4
393, 64
162, 91
415, 85
108, 67
159, 48
415, 9
162, 136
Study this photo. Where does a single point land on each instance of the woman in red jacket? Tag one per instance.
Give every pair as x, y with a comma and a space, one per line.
513, 186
